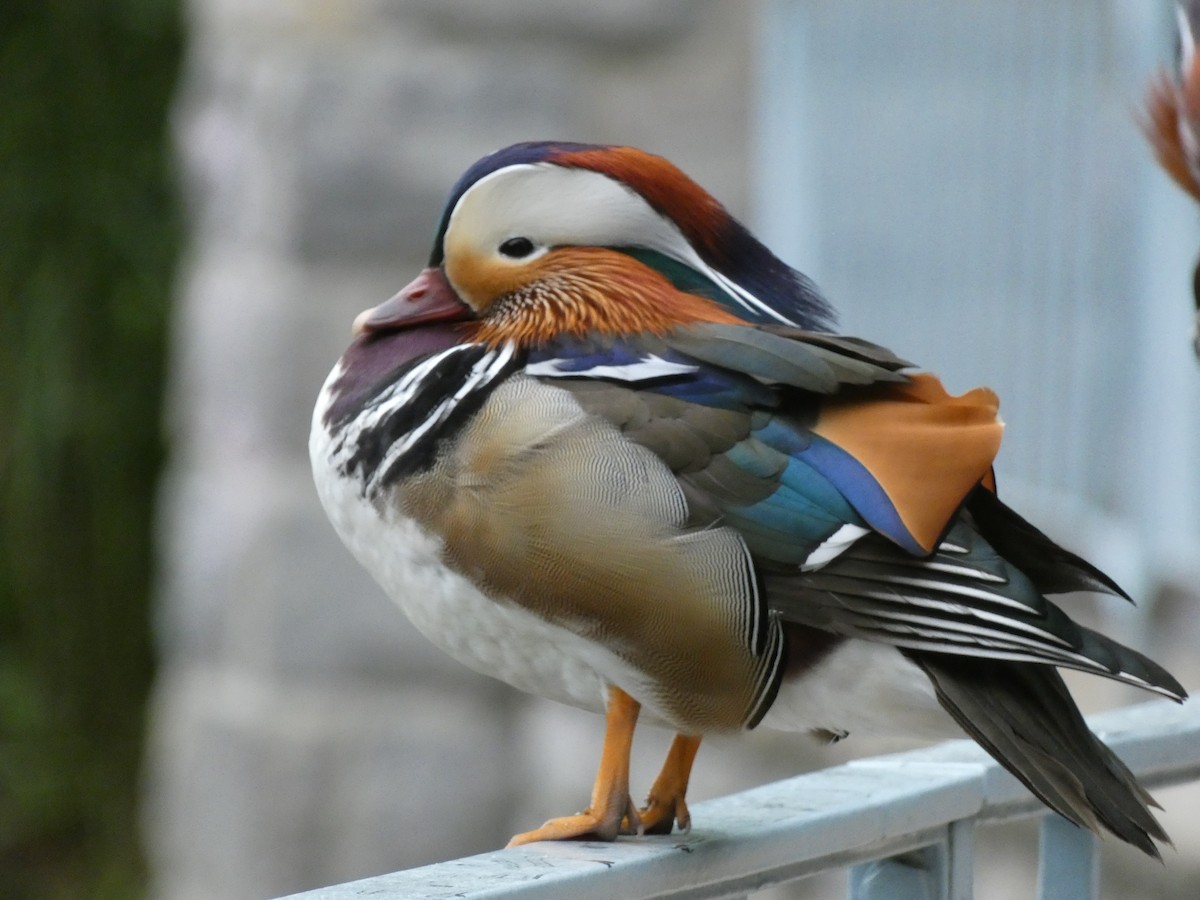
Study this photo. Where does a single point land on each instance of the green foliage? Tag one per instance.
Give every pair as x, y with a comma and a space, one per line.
87, 243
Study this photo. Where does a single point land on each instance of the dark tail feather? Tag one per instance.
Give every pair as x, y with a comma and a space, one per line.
1023, 715
1052, 569
1129, 666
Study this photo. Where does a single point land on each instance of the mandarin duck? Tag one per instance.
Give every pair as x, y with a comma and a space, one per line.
1173, 124
607, 448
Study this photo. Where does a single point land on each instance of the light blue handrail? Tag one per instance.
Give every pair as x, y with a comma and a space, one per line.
905, 823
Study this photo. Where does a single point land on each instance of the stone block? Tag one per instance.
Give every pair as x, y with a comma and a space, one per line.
386, 134
610, 26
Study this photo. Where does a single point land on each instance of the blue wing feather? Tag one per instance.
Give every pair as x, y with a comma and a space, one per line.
815, 486
852, 480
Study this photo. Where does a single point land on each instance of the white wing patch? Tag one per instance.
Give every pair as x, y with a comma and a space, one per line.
833, 546
645, 369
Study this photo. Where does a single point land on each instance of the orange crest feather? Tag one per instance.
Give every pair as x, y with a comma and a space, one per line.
1163, 131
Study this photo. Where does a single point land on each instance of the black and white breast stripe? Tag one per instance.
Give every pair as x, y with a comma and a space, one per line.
768, 675
398, 431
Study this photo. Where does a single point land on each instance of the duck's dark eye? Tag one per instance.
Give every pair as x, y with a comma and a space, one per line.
517, 247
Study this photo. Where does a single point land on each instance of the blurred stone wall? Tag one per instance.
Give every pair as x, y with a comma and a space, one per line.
302, 732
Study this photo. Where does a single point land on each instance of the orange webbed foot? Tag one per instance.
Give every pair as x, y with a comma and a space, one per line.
603, 825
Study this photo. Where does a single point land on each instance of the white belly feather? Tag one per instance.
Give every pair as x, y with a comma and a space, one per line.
863, 688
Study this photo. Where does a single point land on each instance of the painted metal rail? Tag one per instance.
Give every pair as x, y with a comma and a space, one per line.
904, 824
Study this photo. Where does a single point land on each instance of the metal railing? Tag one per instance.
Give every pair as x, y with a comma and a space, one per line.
904, 823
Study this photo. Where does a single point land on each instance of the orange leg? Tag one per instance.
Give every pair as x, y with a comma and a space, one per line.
665, 804
610, 795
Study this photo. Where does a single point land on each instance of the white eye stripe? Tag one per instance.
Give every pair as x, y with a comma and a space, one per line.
556, 206
552, 205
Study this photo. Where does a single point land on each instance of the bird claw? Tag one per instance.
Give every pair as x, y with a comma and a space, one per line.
632, 823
